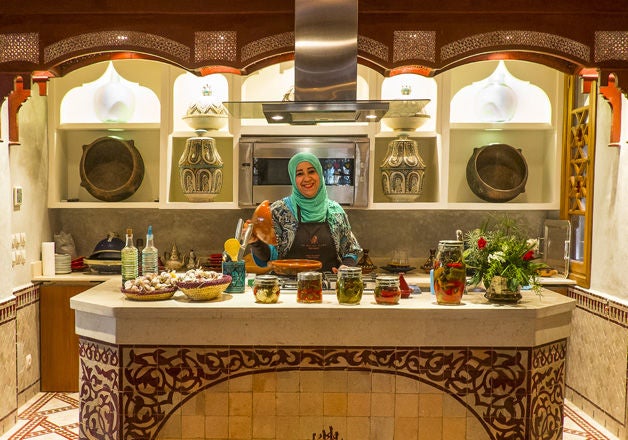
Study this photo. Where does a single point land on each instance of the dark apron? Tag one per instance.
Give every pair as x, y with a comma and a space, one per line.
313, 241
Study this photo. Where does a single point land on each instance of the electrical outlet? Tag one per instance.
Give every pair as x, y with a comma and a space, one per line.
23, 239
28, 361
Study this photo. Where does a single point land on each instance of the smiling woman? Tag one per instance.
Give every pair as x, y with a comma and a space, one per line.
308, 224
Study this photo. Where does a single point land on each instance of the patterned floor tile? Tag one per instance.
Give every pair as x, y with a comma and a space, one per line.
54, 416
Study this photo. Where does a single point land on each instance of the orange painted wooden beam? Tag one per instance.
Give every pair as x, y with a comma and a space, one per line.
612, 94
16, 99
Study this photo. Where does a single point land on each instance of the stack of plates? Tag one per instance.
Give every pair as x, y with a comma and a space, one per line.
63, 263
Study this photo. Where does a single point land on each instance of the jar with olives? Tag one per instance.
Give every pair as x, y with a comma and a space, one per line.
387, 289
309, 287
449, 272
349, 285
266, 289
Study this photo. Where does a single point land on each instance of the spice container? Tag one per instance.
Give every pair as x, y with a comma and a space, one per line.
266, 289
309, 287
449, 272
387, 289
349, 286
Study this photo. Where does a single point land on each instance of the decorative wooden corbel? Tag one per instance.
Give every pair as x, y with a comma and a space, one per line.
16, 99
608, 88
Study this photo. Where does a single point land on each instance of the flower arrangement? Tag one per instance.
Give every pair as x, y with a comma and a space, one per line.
502, 249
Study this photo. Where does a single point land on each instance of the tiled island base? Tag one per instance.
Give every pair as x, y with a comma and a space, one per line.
271, 392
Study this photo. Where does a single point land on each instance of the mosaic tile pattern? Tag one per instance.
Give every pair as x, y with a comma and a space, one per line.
215, 46
504, 393
116, 40
611, 45
414, 45
27, 330
592, 359
8, 385
515, 39
19, 47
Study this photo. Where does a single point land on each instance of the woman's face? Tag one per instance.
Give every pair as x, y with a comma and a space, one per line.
307, 179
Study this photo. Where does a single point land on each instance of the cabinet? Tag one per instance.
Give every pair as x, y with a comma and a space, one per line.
446, 142
59, 342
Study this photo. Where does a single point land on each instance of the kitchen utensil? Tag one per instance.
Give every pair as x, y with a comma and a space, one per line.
232, 247
245, 240
238, 231
263, 223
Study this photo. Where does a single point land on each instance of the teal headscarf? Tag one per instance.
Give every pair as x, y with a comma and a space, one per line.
312, 209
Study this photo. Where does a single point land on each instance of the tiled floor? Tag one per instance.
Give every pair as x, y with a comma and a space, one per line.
54, 416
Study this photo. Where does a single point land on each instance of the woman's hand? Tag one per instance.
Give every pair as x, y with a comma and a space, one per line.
336, 269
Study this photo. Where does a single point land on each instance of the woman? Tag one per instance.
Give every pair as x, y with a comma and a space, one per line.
307, 223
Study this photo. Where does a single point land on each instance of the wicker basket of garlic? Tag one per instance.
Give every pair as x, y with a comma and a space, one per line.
151, 287
203, 285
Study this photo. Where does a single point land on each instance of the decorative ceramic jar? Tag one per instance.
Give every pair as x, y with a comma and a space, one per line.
387, 290
497, 291
206, 112
309, 287
349, 285
449, 272
114, 101
200, 169
403, 170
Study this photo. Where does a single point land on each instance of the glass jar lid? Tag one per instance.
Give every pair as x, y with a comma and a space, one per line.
387, 280
309, 276
266, 280
350, 272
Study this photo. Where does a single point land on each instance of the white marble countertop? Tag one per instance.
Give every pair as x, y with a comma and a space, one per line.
105, 314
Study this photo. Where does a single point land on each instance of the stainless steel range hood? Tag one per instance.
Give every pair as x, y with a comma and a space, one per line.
326, 63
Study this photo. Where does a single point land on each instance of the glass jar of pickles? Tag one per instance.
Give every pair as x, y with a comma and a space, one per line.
349, 285
266, 289
309, 287
449, 272
387, 289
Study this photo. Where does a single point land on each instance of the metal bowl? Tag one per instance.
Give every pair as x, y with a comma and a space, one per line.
497, 172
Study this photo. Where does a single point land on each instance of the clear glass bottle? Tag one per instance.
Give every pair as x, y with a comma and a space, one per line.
150, 255
309, 287
266, 289
449, 272
128, 257
349, 286
387, 289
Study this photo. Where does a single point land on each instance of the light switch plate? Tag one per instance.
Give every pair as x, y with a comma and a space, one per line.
17, 196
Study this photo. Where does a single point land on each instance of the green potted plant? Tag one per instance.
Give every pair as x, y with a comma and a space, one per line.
501, 256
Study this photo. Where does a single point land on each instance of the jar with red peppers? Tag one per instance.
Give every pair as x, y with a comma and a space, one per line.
449, 272
387, 289
309, 287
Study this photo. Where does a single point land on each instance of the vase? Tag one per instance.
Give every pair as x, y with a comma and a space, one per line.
497, 291
403, 170
449, 272
200, 169
114, 101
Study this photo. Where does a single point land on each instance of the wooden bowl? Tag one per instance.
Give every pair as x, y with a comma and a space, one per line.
263, 223
294, 266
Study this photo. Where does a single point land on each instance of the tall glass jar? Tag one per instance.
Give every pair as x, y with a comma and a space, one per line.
349, 286
449, 272
387, 289
266, 289
309, 287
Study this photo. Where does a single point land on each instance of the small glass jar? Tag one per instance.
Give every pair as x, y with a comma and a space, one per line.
349, 285
266, 289
449, 272
387, 289
309, 287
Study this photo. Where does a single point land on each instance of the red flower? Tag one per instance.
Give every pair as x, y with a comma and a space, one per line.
528, 255
481, 243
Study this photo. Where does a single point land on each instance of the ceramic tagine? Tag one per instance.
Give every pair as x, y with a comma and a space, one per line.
206, 112
406, 114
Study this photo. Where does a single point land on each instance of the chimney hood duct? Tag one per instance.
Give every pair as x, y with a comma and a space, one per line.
326, 66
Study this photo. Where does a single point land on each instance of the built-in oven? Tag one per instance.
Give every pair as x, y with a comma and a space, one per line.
263, 173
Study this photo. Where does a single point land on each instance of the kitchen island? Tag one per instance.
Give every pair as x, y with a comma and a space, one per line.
232, 368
